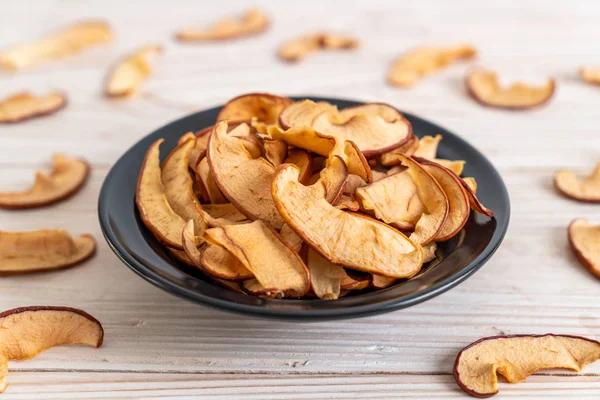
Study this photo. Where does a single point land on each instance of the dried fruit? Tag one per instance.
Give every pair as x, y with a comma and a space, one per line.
303, 160
295, 50
325, 277
427, 149
408, 149
348, 239
27, 331
62, 43
483, 86
223, 212
43, 250
518, 356
422, 61
474, 201
23, 106
291, 238
263, 107
347, 202
68, 175
275, 151
585, 190
125, 78
277, 267
209, 186
381, 282
250, 23
471, 183
585, 243
590, 74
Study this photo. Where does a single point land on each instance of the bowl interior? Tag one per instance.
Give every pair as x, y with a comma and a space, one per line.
459, 257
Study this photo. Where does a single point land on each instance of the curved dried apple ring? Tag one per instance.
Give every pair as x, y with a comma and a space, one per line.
591, 75
62, 43
585, 243
585, 190
303, 160
251, 23
27, 331
43, 250
295, 50
275, 151
483, 86
422, 61
518, 356
125, 78
408, 149
68, 175
474, 202
23, 106
264, 107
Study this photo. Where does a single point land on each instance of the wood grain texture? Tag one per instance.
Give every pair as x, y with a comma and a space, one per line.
160, 346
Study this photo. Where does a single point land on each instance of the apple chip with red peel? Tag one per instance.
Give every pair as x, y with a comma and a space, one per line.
408, 149
518, 356
348, 239
125, 79
23, 106
585, 243
427, 150
590, 74
244, 181
303, 160
325, 277
474, 202
385, 111
151, 200
43, 250
355, 281
301, 114
60, 44
68, 175
423, 61
208, 182
483, 86
585, 190
263, 107
275, 151
252, 22
471, 183
27, 331
261, 250
332, 179
295, 50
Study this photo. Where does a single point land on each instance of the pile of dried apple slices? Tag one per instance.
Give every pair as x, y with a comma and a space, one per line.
285, 198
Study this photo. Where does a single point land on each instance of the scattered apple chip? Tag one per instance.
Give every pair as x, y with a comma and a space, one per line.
585, 190
60, 44
518, 356
27, 331
295, 50
125, 79
252, 22
261, 250
408, 149
422, 61
23, 106
348, 239
476, 205
590, 74
43, 250
275, 151
68, 175
151, 200
585, 243
303, 160
263, 107
483, 86
244, 181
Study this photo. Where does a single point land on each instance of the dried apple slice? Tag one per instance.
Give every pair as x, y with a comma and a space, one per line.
291, 238
348, 239
151, 201
590, 74
43, 250
23, 106
244, 181
261, 250
483, 86
252, 22
255, 288
301, 114
381, 282
275, 151
226, 211
471, 183
427, 149
355, 281
408, 149
585, 190
68, 175
429, 252
208, 182
585, 243
125, 79
325, 277
476, 205
303, 160
295, 50
518, 356
27, 331
347, 202
263, 107
60, 44
422, 61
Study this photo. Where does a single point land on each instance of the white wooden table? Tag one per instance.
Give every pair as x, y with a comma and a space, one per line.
160, 346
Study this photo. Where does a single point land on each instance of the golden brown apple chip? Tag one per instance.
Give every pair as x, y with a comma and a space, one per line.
43, 250
261, 250
458, 201
208, 183
380, 281
348, 239
476, 205
125, 79
585, 190
303, 160
291, 238
471, 183
590, 74
23, 106
27, 331
429, 251
263, 107
295, 50
427, 149
407, 149
244, 181
332, 179
325, 277
423, 61
352, 183
347, 202
68, 175
585, 243
250, 23
275, 151
355, 280
483, 86
60, 44
155, 211
223, 212
518, 356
